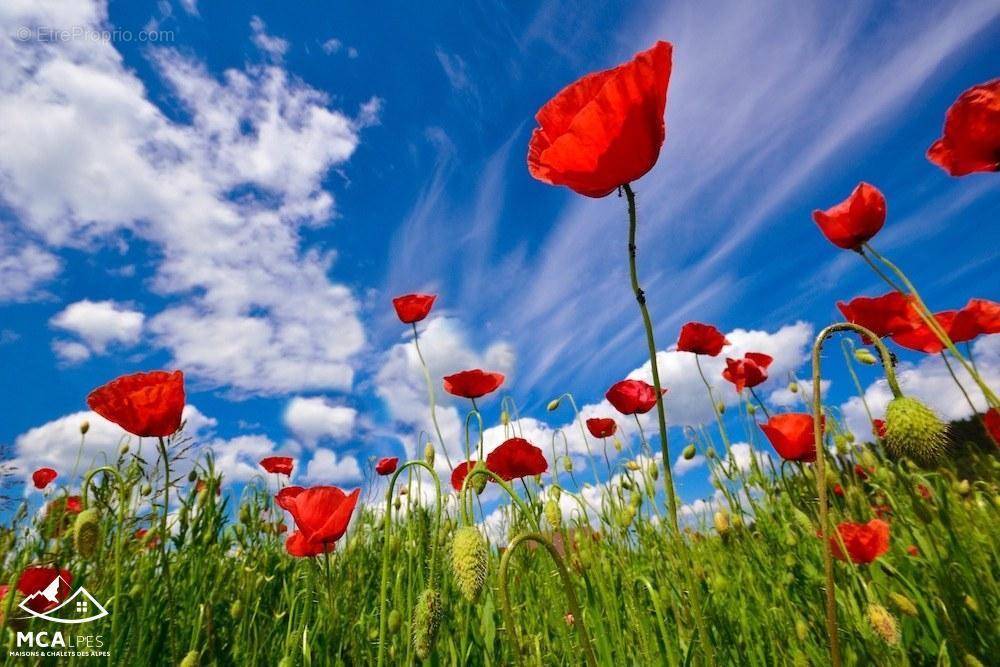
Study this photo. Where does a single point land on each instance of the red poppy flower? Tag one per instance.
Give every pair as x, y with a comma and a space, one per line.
279, 465
153, 541
913, 550
863, 473
992, 421
297, 545
971, 138
853, 221
632, 397
791, 435
386, 466
884, 315
144, 404
978, 317
838, 490
601, 427
412, 308
749, 371
34, 584
924, 491
284, 497
516, 458
459, 474
43, 477
73, 505
701, 339
878, 428
606, 129
472, 384
322, 512
864, 541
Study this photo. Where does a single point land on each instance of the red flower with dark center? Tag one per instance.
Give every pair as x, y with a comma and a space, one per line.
701, 339
747, 372
286, 495
516, 458
322, 512
279, 465
791, 435
878, 428
884, 315
473, 383
606, 129
387, 465
601, 427
971, 138
459, 474
412, 308
853, 221
43, 477
37, 578
864, 541
992, 421
297, 545
632, 397
144, 404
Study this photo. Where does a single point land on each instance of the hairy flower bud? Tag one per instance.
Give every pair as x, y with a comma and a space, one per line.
553, 513
426, 619
689, 452
395, 620
914, 431
864, 356
720, 407
883, 623
903, 604
653, 470
567, 464
793, 387
190, 660
87, 532
555, 493
721, 520
469, 559
429, 453
504, 418
616, 443
553, 405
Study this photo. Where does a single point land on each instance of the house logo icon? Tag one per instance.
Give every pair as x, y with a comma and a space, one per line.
80, 607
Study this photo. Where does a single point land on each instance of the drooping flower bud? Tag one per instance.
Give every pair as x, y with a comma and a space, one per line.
236, 610
720, 407
123, 449
429, 453
556, 492
87, 532
426, 619
84, 427
751, 409
971, 604
864, 356
710, 452
689, 452
567, 464
469, 560
903, 604
793, 387
553, 513
553, 405
883, 623
504, 418
913, 430
653, 470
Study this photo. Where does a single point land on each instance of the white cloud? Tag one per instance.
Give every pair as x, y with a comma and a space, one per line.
100, 323
276, 47
23, 269
70, 351
87, 159
742, 458
786, 398
238, 459
313, 419
683, 466
332, 45
326, 467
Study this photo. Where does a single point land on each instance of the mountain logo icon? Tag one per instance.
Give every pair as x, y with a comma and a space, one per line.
80, 607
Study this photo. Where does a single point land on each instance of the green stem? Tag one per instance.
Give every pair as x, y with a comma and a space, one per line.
583, 434
760, 403
504, 485
715, 407
430, 396
846, 343
567, 584
122, 508
817, 406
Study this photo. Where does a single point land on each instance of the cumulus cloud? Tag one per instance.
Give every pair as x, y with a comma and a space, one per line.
99, 324
786, 398
742, 457
327, 467
23, 268
276, 47
313, 419
70, 351
683, 466
88, 160
238, 459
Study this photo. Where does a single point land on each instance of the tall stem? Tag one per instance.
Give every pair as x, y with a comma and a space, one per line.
583, 434
661, 413
715, 407
430, 396
824, 520
567, 584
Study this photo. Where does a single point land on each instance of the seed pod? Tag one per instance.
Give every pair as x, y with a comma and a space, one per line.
883, 623
469, 560
84, 427
914, 431
87, 532
429, 453
721, 520
426, 618
903, 604
864, 356
793, 387
554, 404
553, 513
971, 604
236, 610
190, 660
689, 452
653, 470
395, 620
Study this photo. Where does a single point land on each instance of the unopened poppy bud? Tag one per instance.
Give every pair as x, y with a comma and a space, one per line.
553, 405
689, 452
504, 418
123, 450
710, 452
567, 464
903, 604
626, 484
556, 492
751, 409
426, 618
395, 620
801, 629
971, 604
469, 560
84, 427
913, 430
721, 520
653, 470
883, 623
87, 532
190, 660
396, 503
720, 407
963, 488
864, 356
840, 442
553, 513
146, 489
429, 453
793, 387
970, 660
478, 482
192, 476
616, 443
236, 610
632, 465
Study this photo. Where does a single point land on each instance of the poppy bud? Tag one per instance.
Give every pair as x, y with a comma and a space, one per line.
396, 502
87, 532
504, 417
971, 604
236, 610
395, 620
84, 427
721, 520
970, 660
135, 591
192, 476
710, 452
190, 660
556, 492
625, 517
626, 484
653, 470
616, 443
720, 408
553, 513
903, 604
793, 387
123, 450
287, 661
883, 623
146, 489
632, 465
801, 629
963, 488
426, 618
689, 452
635, 501
469, 560
914, 431
751, 409
840, 442
553, 405
864, 356
429, 454
567, 464
479, 481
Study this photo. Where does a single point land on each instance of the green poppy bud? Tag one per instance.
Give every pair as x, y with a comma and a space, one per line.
567, 464
553, 513
395, 620
87, 532
793, 387
190, 660
689, 452
653, 470
864, 356
429, 453
720, 408
426, 619
469, 560
913, 430
554, 404
903, 604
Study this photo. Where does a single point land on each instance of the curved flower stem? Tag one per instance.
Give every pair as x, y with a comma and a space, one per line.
567, 584
468, 442
846, 343
583, 433
555, 460
122, 507
715, 407
430, 396
671, 650
661, 414
760, 403
642, 437
817, 406
466, 517
383, 622
928, 317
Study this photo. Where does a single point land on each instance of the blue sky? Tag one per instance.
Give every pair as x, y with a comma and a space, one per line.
242, 200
